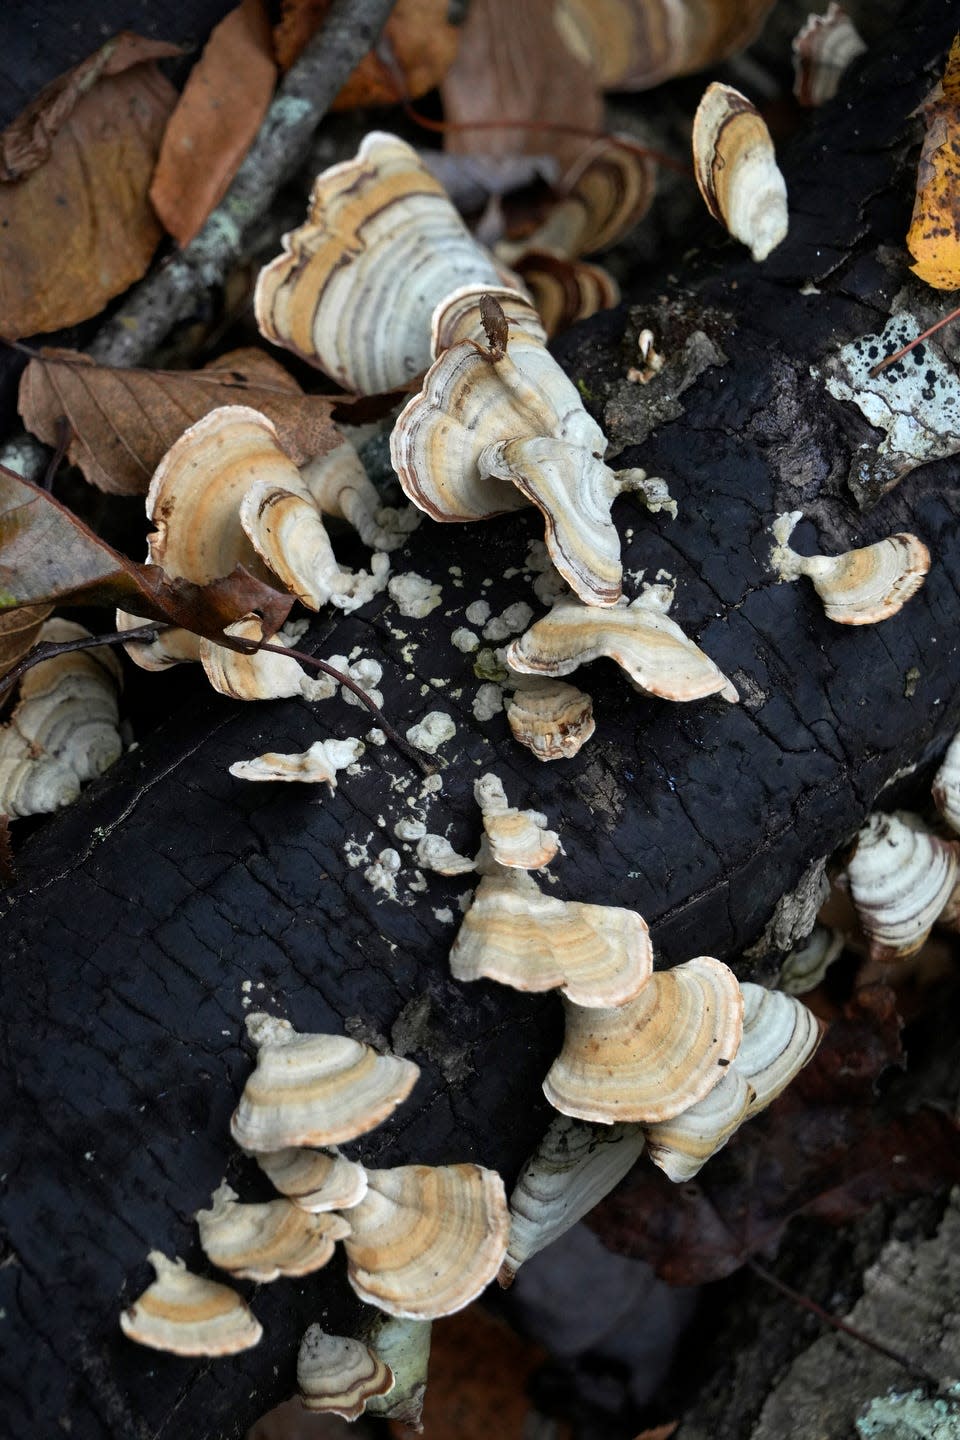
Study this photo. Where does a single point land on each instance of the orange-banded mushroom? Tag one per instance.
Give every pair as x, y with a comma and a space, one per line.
355, 286
316, 766
900, 877
315, 1089
572, 1169
551, 719
736, 169
565, 291
518, 839
458, 317
681, 1146
173, 646
946, 785
822, 49
337, 1375
186, 1314
263, 1242
260, 675
426, 1240
859, 587
650, 1059
600, 956
315, 1180
655, 653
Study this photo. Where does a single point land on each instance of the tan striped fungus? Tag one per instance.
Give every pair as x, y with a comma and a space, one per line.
185, 1314
859, 587
263, 1242
736, 169
337, 1375
901, 876
551, 719
315, 1180
517, 839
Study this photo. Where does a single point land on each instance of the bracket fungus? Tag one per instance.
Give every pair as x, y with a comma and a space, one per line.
551, 719
805, 967
822, 49
260, 675
316, 766
315, 1180
900, 877
736, 169
650, 1059
682, 1145
355, 286
315, 1089
263, 1242
518, 839
572, 1169
341, 488
565, 291
655, 653
186, 1314
64, 729
426, 1240
859, 587
337, 1375
946, 785
600, 956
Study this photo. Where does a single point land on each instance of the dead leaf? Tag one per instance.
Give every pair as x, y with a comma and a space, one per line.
217, 116
513, 64
416, 50
48, 556
934, 235
77, 227
826, 1148
18, 632
124, 421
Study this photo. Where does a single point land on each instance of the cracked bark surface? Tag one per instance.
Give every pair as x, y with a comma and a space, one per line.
142, 912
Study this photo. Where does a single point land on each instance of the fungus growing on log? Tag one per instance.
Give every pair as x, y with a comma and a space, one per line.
187, 1315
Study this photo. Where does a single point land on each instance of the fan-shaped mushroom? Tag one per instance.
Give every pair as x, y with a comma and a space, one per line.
859, 587
946, 785
736, 169
340, 487
901, 877
338, 1375
263, 1242
315, 1180
517, 838
318, 765
822, 49
404, 1345
188, 1315
681, 1146
780, 1035
551, 719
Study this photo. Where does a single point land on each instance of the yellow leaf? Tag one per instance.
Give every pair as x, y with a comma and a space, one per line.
934, 235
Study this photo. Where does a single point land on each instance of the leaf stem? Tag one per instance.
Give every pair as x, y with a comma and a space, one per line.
47, 649
899, 354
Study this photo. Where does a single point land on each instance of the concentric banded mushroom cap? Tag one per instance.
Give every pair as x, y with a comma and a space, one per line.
682, 1146
572, 1169
355, 286
599, 955
196, 490
780, 1035
606, 194
566, 291
263, 1242
315, 1089
458, 317
900, 879
518, 839
472, 398
404, 1345
648, 1060
736, 169
946, 785
185, 1314
173, 646
338, 1375
644, 642
257, 676
805, 967
551, 719
822, 49
425, 1240
574, 491
315, 1180
316, 766
859, 587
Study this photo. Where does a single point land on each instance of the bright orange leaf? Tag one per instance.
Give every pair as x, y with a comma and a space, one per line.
934, 235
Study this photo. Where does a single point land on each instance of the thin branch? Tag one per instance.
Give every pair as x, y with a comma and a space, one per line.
47, 649
899, 354
919, 1371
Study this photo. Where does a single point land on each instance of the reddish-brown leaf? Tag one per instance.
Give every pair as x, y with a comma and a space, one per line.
48, 556
18, 632
76, 223
416, 50
123, 421
223, 102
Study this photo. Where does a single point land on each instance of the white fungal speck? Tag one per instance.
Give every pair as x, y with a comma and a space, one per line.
478, 612
382, 874
413, 595
444, 915
465, 639
514, 619
434, 730
406, 829
419, 881
375, 737
487, 702
356, 854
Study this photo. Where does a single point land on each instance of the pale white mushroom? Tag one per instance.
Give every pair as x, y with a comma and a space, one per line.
736, 169
572, 1169
337, 1375
517, 838
355, 286
681, 1146
404, 1345
263, 1242
315, 1180
426, 1240
859, 587
946, 785
315, 1089
780, 1036
900, 877
316, 766
551, 719
434, 852
185, 1314
805, 967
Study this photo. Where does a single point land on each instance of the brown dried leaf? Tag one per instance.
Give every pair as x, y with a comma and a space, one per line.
223, 102
77, 228
18, 632
48, 556
123, 421
416, 50
826, 1148
513, 64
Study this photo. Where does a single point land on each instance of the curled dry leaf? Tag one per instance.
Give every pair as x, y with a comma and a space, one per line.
418, 45
76, 223
223, 102
19, 630
934, 235
122, 422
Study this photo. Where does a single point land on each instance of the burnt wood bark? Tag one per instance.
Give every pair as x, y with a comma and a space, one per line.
149, 916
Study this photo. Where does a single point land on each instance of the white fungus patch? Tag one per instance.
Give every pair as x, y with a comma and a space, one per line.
487, 702
365, 673
434, 730
413, 595
478, 612
465, 639
511, 621
375, 736
382, 874
356, 853
409, 830
444, 914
